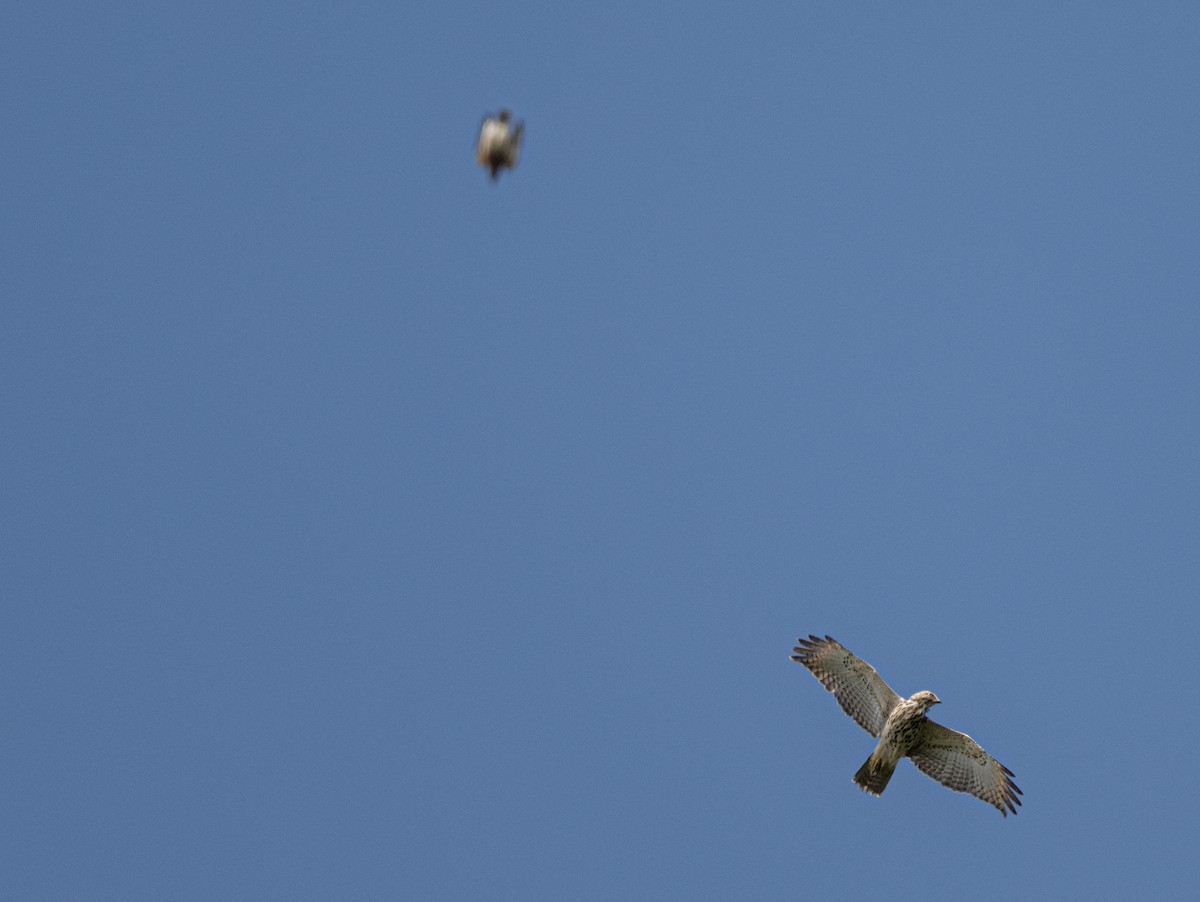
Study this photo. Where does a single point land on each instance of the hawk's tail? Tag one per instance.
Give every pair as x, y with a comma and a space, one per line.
873, 776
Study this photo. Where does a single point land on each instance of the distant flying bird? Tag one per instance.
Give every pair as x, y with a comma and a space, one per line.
499, 143
953, 759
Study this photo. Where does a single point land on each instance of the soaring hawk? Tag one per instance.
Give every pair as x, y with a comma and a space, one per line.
499, 144
953, 759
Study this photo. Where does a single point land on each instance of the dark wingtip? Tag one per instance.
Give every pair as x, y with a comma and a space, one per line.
813, 640
1011, 792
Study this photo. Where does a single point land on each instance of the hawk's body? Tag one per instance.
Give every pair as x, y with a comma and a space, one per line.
900, 734
953, 759
499, 144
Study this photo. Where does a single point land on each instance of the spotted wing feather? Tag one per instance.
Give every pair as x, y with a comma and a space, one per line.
860, 691
956, 760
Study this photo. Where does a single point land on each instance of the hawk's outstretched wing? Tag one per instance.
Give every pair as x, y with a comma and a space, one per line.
956, 760
860, 691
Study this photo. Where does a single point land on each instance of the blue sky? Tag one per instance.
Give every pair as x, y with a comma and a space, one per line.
373, 531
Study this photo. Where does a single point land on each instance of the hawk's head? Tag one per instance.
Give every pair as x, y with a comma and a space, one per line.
926, 700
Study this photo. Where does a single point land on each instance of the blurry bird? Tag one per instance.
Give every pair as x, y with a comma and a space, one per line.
499, 143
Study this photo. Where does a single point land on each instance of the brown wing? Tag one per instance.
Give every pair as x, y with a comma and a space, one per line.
956, 760
860, 691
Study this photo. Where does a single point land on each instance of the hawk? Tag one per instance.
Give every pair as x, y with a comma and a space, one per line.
499, 143
953, 759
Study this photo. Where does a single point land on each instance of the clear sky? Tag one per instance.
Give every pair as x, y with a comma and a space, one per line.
373, 531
